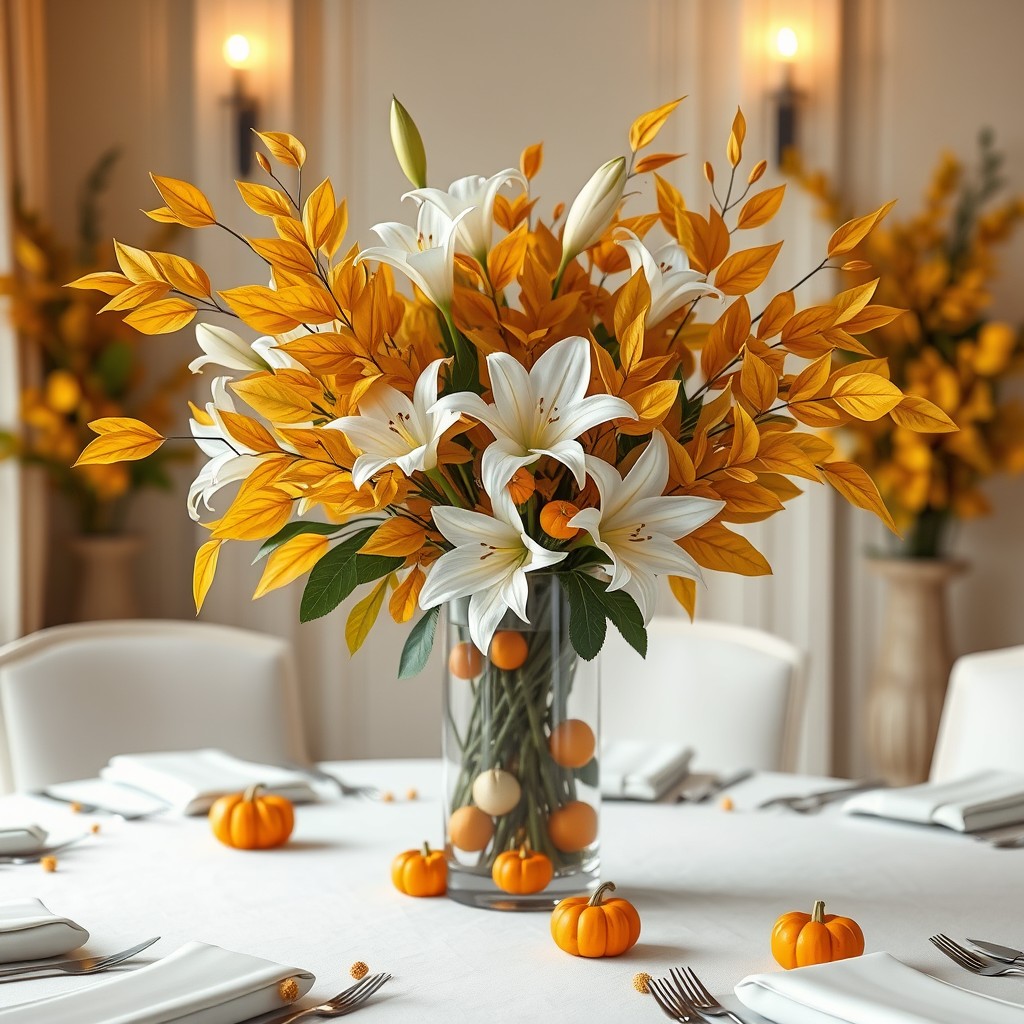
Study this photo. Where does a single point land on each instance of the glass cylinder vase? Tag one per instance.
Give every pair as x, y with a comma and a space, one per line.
520, 747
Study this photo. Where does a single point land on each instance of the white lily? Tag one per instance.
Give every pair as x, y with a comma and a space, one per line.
637, 524
668, 273
225, 348
491, 558
473, 196
425, 254
540, 412
592, 210
230, 460
392, 430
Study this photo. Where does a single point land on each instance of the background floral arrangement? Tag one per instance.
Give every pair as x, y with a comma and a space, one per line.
87, 362
599, 434
939, 265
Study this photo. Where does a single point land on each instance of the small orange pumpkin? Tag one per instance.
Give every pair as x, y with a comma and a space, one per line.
252, 820
422, 872
595, 927
799, 940
522, 871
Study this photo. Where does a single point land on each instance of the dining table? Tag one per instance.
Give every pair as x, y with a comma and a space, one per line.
708, 880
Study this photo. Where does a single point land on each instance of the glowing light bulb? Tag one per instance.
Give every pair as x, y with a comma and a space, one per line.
237, 50
786, 43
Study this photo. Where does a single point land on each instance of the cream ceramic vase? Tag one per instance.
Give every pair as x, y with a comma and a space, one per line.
106, 587
908, 685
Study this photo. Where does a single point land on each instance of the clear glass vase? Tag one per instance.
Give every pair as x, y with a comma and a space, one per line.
520, 751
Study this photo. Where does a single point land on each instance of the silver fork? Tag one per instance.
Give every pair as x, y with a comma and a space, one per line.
694, 991
83, 965
316, 772
971, 961
808, 803
43, 851
670, 1003
344, 1002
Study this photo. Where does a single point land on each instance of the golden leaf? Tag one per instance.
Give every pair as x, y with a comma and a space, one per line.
652, 404
290, 229
872, 317
364, 615
185, 201
645, 128
183, 275
919, 414
758, 172
260, 308
680, 465
866, 395
807, 325
308, 304
776, 314
734, 150
852, 301
684, 590
266, 201
318, 214
284, 254
717, 547
273, 399
136, 295
728, 335
105, 281
811, 379
529, 163
404, 600
259, 509
744, 271
848, 236
856, 265
249, 432
121, 439
778, 453
395, 537
759, 210
137, 264
631, 304
162, 215
203, 571
758, 382
670, 202
745, 437
746, 502
854, 484
505, 260
708, 239
653, 161
338, 230
163, 317
284, 147
290, 561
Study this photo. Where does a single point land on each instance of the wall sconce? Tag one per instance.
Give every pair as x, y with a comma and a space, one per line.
787, 97
245, 107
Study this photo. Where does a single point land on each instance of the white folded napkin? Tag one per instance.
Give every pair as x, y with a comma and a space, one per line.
15, 839
28, 931
196, 984
976, 802
641, 769
872, 989
190, 780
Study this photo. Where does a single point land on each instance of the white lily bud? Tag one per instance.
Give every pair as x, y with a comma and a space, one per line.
408, 145
225, 348
592, 210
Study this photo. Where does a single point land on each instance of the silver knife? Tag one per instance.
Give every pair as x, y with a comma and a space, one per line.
1007, 953
708, 789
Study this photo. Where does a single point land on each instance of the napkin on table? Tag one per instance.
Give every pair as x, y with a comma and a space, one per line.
190, 780
196, 984
641, 769
15, 839
984, 800
872, 989
28, 931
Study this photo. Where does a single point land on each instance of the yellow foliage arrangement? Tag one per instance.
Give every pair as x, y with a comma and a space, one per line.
655, 431
939, 265
86, 363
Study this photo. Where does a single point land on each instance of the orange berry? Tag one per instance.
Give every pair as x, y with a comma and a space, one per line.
554, 520
94, 827
359, 970
465, 661
75, 807
470, 829
411, 794
508, 649
48, 863
573, 827
726, 803
387, 796
572, 743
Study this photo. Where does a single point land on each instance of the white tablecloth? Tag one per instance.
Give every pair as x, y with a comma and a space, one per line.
708, 884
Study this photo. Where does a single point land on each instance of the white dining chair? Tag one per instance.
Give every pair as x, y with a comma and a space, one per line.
73, 696
982, 723
731, 693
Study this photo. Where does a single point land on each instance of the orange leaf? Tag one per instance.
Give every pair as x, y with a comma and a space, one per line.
121, 439
137, 264
919, 414
259, 508
716, 547
744, 271
338, 229
162, 215
807, 324
852, 301
204, 570
645, 128
653, 161
708, 239
758, 382
505, 260
185, 201
529, 163
290, 561
811, 379
632, 303
183, 275
745, 437
670, 204
284, 254
273, 399
727, 336
759, 210
734, 150
260, 308
854, 484
866, 395
266, 201
872, 317
284, 147
318, 214
395, 537
161, 317
136, 295
652, 404
105, 281
848, 236
404, 600
776, 315
684, 590
249, 432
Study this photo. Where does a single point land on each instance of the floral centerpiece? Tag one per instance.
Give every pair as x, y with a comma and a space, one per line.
87, 364
521, 440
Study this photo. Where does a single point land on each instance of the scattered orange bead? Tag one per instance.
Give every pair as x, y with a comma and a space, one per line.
75, 807
509, 650
387, 796
640, 981
412, 794
359, 970
288, 990
554, 520
465, 661
49, 863
726, 803
94, 827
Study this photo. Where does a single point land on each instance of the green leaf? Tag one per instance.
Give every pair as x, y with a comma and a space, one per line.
581, 558
587, 625
589, 774
464, 373
372, 567
626, 618
293, 530
418, 645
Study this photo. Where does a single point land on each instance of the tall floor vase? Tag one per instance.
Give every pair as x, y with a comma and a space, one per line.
105, 576
908, 685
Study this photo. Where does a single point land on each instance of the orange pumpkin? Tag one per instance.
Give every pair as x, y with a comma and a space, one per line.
252, 820
595, 927
422, 872
799, 940
554, 520
522, 871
